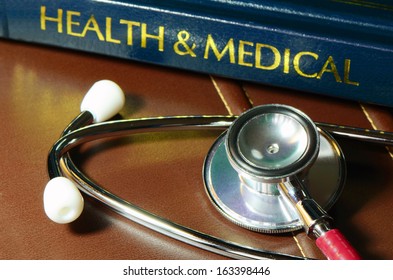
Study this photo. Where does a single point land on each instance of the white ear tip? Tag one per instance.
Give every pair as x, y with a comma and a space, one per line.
104, 100
63, 203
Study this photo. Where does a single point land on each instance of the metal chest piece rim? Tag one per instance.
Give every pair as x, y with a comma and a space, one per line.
249, 197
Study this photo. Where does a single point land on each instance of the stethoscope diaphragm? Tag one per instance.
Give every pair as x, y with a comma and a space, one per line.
263, 147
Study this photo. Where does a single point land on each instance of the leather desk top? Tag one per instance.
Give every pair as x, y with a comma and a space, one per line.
41, 89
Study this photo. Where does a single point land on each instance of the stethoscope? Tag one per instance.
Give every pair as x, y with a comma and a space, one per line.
272, 170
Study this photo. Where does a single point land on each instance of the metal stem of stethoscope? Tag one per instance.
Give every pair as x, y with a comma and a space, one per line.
356, 133
81, 131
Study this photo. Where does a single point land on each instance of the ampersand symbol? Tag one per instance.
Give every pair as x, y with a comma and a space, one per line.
183, 37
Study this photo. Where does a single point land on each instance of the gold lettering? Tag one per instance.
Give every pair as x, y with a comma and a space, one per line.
347, 69
330, 67
287, 55
229, 47
58, 19
108, 32
130, 26
92, 25
159, 37
249, 54
70, 23
258, 57
296, 64
181, 47
242, 53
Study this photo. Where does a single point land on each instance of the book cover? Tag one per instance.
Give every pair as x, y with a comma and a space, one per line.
341, 48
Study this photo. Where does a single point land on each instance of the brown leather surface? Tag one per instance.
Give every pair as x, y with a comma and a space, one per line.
41, 90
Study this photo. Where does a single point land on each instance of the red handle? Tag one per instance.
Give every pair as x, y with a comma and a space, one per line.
335, 246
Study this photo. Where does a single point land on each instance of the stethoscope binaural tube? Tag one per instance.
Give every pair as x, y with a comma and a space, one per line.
63, 203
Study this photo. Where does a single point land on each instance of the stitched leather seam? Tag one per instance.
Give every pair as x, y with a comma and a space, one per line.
221, 95
373, 125
370, 120
298, 245
247, 96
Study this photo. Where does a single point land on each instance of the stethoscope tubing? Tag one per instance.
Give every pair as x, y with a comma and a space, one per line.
81, 130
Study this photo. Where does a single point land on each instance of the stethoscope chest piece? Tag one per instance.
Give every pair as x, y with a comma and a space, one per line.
264, 147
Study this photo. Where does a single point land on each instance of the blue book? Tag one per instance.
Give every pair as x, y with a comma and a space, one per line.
341, 48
